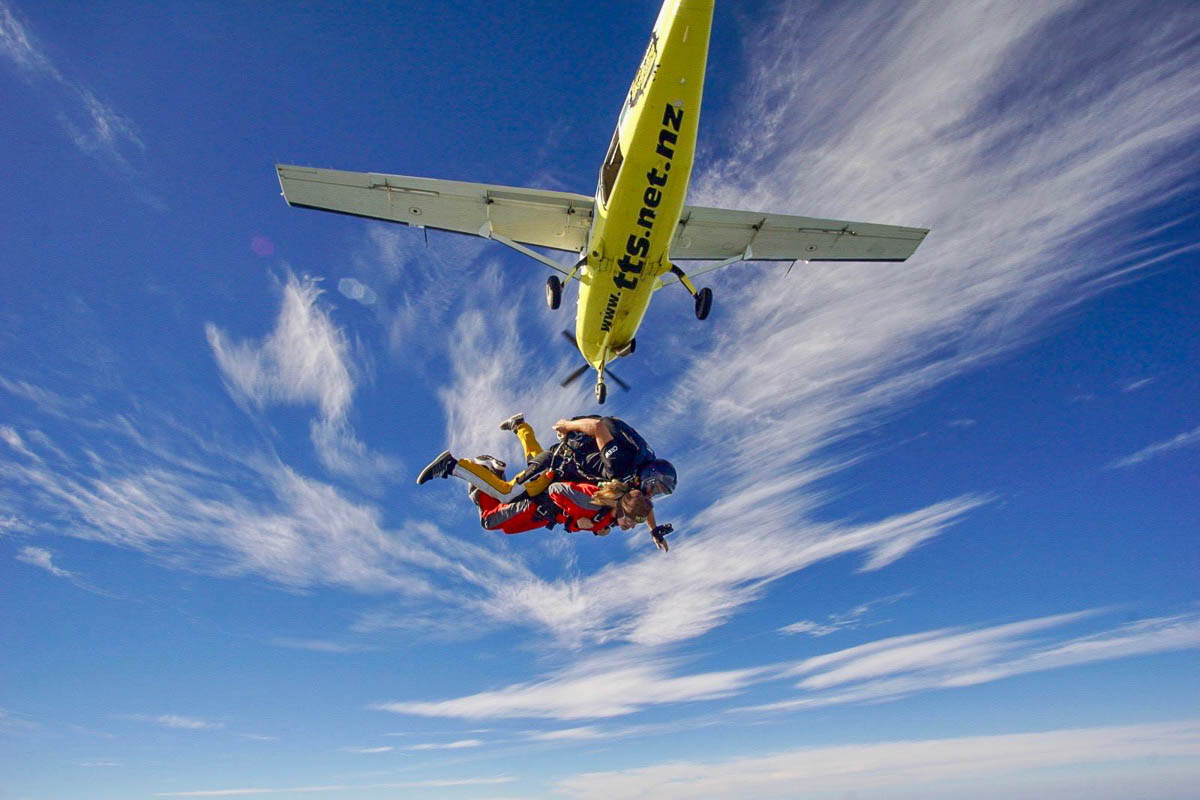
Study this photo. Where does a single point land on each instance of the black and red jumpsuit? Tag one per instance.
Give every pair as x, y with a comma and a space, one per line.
563, 503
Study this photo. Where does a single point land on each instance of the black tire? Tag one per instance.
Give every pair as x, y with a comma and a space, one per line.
601, 393
703, 303
553, 292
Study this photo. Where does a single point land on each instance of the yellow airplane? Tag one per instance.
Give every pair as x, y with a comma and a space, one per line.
629, 235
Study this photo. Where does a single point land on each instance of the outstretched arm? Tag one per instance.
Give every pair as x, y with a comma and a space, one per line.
591, 426
657, 533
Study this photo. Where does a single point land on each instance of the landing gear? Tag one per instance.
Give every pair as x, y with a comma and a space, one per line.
703, 297
553, 292
626, 349
703, 302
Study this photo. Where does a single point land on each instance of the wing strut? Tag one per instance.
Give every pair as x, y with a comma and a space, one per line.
487, 233
746, 255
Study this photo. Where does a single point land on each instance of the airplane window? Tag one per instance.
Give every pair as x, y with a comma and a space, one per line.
612, 166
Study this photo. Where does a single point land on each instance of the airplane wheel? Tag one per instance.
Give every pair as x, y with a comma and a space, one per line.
703, 302
601, 393
553, 292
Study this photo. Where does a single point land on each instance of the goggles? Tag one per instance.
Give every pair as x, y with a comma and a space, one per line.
639, 518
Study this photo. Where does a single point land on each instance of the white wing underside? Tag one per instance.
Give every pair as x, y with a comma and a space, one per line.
561, 220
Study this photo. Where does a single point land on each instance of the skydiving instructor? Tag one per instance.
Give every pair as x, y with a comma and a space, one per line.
591, 449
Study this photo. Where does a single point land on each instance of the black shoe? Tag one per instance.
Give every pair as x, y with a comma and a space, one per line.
512, 422
440, 467
491, 462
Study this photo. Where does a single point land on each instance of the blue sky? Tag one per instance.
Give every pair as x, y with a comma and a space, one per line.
936, 520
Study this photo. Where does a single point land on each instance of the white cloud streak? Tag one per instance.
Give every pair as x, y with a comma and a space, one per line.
198, 505
576, 734
43, 559
854, 618
634, 678
178, 722
924, 768
320, 646
306, 360
899, 666
1186, 439
426, 784
460, 744
743, 542
606, 686
96, 128
1137, 385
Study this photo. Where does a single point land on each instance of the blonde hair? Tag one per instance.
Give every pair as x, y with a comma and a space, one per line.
627, 500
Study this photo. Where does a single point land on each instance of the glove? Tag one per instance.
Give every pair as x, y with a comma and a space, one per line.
659, 534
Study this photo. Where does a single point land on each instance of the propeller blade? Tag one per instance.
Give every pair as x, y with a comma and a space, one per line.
574, 376
617, 380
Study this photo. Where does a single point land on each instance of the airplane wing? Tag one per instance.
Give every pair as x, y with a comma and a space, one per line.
707, 234
558, 220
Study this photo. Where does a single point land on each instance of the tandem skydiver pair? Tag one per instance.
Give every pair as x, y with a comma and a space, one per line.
601, 472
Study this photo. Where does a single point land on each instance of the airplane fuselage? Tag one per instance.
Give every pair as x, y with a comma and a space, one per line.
643, 182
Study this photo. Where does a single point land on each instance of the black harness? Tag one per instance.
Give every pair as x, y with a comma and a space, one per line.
576, 457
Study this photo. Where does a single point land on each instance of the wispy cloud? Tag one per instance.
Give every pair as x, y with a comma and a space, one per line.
42, 558
1150, 451
854, 618
741, 542
12, 438
893, 769
633, 679
368, 750
579, 733
943, 659
1134, 386
95, 127
320, 646
306, 360
461, 744
606, 686
11, 723
431, 783
178, 722
200, 504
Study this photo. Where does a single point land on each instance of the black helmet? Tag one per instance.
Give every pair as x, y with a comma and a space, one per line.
657, 477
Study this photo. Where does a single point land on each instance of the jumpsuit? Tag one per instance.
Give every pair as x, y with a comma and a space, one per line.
575, 458
568, 504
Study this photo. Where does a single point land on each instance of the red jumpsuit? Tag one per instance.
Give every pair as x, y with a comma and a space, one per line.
567, 504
